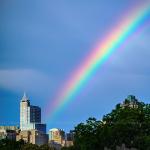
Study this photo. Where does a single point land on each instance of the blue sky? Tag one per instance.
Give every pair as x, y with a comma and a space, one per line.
43, 41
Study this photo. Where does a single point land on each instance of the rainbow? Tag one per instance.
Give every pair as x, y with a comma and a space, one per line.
127, 27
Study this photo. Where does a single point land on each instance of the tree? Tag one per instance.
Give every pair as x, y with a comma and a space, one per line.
6, 144
128, 123
85, 135
68, 148
46, 147
30, 147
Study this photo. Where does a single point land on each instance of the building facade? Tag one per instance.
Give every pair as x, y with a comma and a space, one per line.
8, 132
35, 114
57, 136
30, 116
130, 102
24, 113
33, 136
69, 139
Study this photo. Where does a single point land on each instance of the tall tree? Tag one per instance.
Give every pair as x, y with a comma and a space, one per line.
128, 123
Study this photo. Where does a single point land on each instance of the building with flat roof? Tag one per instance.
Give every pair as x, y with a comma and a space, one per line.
57, 136
9, 128
69, 139
33, 136
35, 114
8, 132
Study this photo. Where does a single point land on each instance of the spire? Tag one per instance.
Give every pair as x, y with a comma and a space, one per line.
25, 98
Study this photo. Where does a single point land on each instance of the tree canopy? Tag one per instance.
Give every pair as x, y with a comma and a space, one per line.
128, 123
6, 144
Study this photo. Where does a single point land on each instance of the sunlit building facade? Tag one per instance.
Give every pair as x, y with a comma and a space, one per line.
32, 136
57, 136
8, 132
30, 116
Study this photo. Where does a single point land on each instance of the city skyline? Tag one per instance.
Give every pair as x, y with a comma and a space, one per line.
44, 42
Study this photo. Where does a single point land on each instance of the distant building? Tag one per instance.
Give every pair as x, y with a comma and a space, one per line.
35, 114
30, 116
68, 143
69, 139
33, 136
57, 136
130, 102
70, 136
55, 145
9, 128
8, 132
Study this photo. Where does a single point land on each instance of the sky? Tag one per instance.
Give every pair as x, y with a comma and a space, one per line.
43, 41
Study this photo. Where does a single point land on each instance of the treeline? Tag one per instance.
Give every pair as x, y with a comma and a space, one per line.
6, 144
127, 124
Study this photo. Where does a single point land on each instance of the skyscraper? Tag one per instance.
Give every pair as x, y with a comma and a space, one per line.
24, 112
35, 114
30, 116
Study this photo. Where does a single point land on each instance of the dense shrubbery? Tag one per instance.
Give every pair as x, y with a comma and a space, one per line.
127, 125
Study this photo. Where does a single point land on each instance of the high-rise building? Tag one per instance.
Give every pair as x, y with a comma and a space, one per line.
30, 116
35, 114
24, 113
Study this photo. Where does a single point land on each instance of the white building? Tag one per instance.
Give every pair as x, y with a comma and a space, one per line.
30, 116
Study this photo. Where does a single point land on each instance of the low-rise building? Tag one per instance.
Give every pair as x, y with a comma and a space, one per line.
33, 136
130, 102
68, 143
57, 136
9, 128
8, 132
70, 136
69, 139
55, 145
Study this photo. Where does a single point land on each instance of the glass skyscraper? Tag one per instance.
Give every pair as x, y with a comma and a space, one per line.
30, 116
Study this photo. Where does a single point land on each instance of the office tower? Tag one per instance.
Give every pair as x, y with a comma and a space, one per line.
30, 116
35, 114
24, 112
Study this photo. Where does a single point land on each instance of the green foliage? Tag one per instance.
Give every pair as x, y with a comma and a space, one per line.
6, 144
125, 124
30, 147
86, 132
68, 148
46, 147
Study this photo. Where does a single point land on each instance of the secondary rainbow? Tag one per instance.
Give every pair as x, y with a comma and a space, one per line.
119, 36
